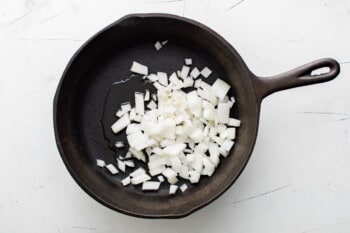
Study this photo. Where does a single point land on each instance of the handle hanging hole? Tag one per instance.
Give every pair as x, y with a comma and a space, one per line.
320, 71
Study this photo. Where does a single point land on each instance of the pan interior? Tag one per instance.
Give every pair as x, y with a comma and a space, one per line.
98, 80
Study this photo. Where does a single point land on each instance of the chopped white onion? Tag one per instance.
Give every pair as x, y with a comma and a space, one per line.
137, 172
183, 187
172, 189
157, 170
100, 163
139, 103
139, 68
195, 72
112, 169
150, 185
147, 95
184, 72
160, 178
152, 105
126, 107
170, 174
120, 124
227, 145
128, 155
181, 134
120, 113
126, 181
234, 122
158, 45
121, 165
188, 61
119, 144
206, 72
220, 88
223, 113
129, 163
162, 78
152, 77
140, 179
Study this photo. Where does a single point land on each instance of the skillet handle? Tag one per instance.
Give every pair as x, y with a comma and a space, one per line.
300, 76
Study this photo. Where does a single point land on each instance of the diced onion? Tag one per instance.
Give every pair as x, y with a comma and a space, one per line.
140, 179
126, 181
119, 144
150, 185
220, 88
100, 163
120, 124
183, 187
188, 61
172, 189
184, 72
112, 169
158, 45
181, 134
139, 68
206, 72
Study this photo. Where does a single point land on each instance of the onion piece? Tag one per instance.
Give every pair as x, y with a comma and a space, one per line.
158, 45
100, 163
147, 95
174, 150
157, 170
223, 113
128, 155
137, 172
227, 145
120, 124
206, 72
172, 189
132, 114
120, 113
139, 103
129, 163
160, 178
126, 107
197, 83
195, 73
220, 88
119, 144
234, 122
140, 179
150, 185
162, 78
170, 174
188, 61
229, 133
183, 187
152, 105
194, 176
126, 181
121, 165
139, 68
152, 77
112, 169
184, 72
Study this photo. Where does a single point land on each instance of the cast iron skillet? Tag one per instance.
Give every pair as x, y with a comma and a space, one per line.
86, 101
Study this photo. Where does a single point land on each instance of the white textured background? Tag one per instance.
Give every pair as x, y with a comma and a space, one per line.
298, 178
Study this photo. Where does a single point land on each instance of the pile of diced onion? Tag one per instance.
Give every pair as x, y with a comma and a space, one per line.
175, 133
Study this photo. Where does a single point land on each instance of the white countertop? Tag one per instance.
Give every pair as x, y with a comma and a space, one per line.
298, 178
